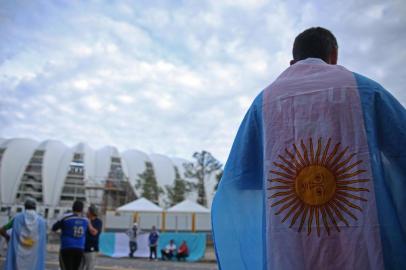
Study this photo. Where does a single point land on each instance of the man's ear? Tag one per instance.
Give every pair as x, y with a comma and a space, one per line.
292, 62
334, 57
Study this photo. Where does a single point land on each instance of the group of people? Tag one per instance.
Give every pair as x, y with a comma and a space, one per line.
170, 251
167, 253
79, 239
27, 240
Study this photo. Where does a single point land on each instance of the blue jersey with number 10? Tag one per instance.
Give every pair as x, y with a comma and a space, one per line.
73, 229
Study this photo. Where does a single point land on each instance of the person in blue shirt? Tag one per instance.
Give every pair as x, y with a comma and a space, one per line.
73, 234
92, 239
153, 242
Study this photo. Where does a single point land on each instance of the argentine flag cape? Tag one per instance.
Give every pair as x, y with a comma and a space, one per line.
316, 178
27, 246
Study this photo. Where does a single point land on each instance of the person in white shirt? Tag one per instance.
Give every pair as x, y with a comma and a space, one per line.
132, 235
169, 251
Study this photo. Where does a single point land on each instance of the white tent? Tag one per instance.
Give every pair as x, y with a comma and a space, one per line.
188, 206
142, 211
188, 216
140, 205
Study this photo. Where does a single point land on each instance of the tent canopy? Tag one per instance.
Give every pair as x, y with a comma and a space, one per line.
140, 205
188, 206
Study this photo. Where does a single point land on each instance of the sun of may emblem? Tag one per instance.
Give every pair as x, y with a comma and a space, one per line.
316, 183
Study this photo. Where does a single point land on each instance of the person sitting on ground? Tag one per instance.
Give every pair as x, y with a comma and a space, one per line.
27, 243
169, 251
183, 251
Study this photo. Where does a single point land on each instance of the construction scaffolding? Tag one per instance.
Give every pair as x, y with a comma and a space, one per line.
110, 193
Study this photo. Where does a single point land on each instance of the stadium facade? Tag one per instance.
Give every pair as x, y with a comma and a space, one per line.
55, 175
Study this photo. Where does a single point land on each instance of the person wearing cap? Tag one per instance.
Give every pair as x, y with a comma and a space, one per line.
132, 235
92, 239
27, 243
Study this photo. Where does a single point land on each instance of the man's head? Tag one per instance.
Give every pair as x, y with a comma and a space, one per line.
30, 204
92, 211
77, 207
315, 42
153, 228
171, 241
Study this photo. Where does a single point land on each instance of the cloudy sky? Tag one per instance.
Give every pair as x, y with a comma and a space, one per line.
171, 77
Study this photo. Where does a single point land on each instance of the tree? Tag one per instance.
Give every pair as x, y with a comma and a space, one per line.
218, 178
205, 164
147, 183
178, 191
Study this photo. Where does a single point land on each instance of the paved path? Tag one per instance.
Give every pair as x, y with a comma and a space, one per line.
106, 263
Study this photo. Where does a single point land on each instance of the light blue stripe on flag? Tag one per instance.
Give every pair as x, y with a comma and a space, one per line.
385, 121
107, 244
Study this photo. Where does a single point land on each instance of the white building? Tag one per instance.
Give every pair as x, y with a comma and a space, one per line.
55, 174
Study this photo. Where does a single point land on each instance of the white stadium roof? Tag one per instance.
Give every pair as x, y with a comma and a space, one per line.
58, 157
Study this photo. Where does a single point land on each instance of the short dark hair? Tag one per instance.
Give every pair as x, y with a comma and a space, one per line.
30, 204
77, 206
316, 42
93, 210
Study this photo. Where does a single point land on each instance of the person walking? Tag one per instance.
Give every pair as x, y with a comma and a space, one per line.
27, 243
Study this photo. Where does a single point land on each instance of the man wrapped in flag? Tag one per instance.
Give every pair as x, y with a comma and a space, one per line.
316, 178
27, 243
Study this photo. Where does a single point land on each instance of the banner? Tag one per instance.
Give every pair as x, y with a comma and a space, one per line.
116, 245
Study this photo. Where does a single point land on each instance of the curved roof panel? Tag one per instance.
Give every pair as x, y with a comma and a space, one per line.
135, 161
13, 164
178, 162
103, 162
63, 169
163, 168
52, 164
89, 160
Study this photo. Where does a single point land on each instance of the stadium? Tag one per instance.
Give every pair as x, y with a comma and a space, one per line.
55, 175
